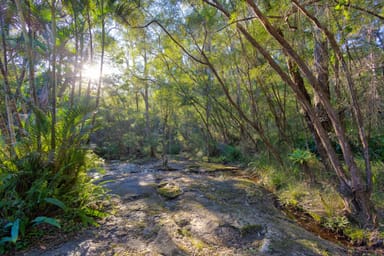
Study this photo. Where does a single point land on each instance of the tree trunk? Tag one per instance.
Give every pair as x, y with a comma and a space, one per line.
146, 103
75, 65
299, 81
81, 63
208, 105
4, 131
101, 61
137, 101
321, 60
54, 80
165, 141
147, 121
90, 52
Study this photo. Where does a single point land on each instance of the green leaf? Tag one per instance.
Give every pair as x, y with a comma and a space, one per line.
56, 202
348, 29
6, 239
233, 18
94, 213
300, 156
38, 44
10, 224
45, 14
346, 14
15, 231
47, 220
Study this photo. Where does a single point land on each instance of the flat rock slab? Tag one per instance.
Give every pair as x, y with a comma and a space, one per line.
133, 185
215, 215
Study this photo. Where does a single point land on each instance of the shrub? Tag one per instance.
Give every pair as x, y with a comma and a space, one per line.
299, 156
227, 154
36, 187
336, 223
302, 158
376, 148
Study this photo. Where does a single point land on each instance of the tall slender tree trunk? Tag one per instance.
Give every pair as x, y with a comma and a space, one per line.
208, 116
53, 80
165, 140
81, 63
208, 108
5, 132
321, 61
76, 64
90, 51
147, 121
101, 60
146, 103
137, 101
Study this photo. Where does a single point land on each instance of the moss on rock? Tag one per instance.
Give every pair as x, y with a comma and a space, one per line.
169, 191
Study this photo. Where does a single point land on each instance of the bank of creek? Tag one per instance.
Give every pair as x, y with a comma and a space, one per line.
188, 210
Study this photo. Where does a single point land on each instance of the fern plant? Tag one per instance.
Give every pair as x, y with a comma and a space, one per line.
302, 158
37, 186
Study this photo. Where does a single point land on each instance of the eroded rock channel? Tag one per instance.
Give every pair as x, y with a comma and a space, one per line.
190, 211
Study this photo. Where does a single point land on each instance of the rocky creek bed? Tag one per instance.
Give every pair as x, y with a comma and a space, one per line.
188, 210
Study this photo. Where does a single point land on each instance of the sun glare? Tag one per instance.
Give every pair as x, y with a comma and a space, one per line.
92, 71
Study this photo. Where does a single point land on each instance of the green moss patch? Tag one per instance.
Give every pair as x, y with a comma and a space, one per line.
169, 191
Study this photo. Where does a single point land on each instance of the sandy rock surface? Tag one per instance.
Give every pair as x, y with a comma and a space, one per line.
212, 214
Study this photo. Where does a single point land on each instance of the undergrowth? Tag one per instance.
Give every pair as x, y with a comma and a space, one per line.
295, 187
39, 188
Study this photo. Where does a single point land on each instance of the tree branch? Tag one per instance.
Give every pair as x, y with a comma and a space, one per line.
172, 38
